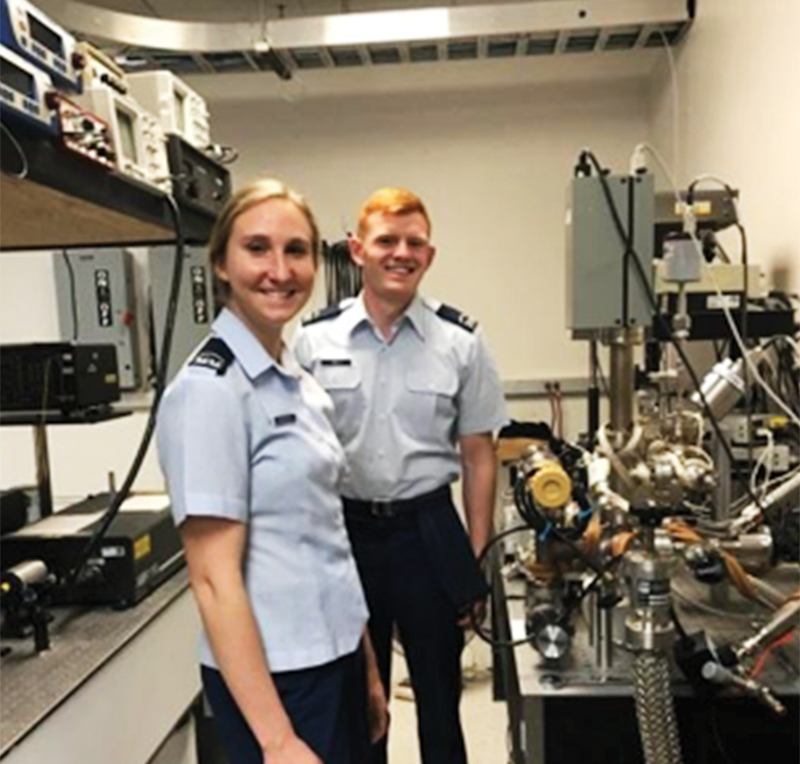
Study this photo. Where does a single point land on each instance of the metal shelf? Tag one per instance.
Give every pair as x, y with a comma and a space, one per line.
65, 200
35, 418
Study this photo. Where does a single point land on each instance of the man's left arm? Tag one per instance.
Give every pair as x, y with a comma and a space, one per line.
481, 413
478, 480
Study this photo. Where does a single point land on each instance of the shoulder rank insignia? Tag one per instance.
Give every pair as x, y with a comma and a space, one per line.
215, 354
455, 316
323, 314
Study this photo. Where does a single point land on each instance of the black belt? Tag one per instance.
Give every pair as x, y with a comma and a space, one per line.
386, 509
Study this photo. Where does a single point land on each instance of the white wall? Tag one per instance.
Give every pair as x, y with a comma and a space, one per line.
490, 146
739, 116
493, 165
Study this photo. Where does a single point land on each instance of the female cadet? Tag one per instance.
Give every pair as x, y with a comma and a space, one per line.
252, 466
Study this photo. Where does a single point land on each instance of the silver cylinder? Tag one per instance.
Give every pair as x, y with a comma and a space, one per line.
621, 384
725, 384
752, 512
648, 626
752, 550
28, 572
604, 647
785, 619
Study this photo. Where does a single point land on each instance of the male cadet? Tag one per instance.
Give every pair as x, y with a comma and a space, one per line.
416, 395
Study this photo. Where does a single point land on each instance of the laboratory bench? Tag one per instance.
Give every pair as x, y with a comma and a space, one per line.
113, 686
582, 708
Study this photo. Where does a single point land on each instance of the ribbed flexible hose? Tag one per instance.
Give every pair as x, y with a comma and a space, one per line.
655, 710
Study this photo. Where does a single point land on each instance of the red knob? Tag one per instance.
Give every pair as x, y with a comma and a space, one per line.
51, 99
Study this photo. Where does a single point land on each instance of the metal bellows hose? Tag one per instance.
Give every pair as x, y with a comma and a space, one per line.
655, 709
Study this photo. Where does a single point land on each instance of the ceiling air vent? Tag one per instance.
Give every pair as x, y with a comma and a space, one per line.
384, 38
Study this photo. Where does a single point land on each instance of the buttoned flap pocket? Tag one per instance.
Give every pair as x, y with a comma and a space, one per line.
338, 374
431, 398
436, 380
341, 378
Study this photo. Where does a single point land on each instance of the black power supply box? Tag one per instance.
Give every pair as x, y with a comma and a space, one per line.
57, 376
198, 181
139, 551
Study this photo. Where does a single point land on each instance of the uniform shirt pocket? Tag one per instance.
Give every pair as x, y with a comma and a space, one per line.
343, 383
430, 406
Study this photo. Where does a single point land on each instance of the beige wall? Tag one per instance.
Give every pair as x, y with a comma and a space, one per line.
492, 165
739, 94
492, 155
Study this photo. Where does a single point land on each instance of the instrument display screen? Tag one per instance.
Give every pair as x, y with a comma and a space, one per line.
180, 104
17, 79
126, 135
45, 36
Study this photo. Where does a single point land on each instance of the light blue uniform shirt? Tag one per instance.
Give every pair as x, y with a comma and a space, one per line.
255, 444
402, 404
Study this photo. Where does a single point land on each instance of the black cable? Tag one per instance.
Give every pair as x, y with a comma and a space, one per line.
24, 166
658, 317
527, 511
678, 625
116, 501
719, 249
748, 408
604, 571
600, 374
601, 572
477, 627
788, 374
73, 300
342, 275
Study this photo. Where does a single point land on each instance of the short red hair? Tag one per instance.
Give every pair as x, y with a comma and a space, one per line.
391, 201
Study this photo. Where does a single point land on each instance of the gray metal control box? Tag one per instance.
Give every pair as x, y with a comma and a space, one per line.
596, 275
96, 296
195, 302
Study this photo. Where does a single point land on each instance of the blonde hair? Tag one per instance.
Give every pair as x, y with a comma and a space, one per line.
391, 201
244, 199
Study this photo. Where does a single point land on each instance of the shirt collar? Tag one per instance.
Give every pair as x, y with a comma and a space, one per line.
357, 316
416, 315
249, 352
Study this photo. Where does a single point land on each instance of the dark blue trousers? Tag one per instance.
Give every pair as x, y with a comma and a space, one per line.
326, 705
403, 589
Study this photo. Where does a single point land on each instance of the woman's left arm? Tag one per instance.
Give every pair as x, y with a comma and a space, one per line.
378, 705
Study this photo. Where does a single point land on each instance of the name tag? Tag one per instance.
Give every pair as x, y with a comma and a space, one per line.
284, 419
335, 362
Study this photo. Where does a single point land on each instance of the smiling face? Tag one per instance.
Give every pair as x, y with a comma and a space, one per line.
394, 253
269, 267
